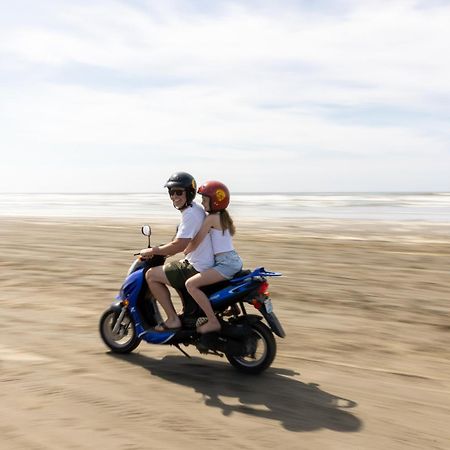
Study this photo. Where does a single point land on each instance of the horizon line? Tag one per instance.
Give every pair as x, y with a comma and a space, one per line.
235, 193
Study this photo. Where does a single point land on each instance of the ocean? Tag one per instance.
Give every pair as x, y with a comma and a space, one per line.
428, 207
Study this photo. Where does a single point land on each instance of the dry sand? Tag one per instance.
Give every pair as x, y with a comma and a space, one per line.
365, 364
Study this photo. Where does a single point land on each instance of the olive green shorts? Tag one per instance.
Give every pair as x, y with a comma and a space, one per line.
177, 272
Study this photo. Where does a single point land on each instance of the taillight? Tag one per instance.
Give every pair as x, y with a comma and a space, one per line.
264, 288
263, 293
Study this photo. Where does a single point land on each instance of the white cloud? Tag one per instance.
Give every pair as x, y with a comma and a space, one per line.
332, 91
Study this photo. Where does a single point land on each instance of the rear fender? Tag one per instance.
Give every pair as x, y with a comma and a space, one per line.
273, 322
271, 319
248, 318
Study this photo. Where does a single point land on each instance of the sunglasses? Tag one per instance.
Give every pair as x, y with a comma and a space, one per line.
177, 192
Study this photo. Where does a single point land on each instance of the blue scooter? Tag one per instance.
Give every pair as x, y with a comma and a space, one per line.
245, 340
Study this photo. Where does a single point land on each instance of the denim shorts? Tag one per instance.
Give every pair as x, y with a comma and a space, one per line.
227, 264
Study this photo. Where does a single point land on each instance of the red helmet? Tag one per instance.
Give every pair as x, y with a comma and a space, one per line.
218, 193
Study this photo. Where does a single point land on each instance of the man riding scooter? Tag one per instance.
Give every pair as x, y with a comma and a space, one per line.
182, 189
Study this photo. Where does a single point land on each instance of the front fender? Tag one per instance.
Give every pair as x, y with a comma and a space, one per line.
116, 306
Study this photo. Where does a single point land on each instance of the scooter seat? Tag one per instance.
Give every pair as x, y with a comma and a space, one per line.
242, 273
210, 289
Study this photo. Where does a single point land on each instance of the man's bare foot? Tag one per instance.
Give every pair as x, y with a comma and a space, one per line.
168, 325
209, 327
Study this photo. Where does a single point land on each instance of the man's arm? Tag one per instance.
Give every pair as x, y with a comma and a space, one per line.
172, 248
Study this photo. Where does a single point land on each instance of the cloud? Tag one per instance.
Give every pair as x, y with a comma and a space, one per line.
325, 86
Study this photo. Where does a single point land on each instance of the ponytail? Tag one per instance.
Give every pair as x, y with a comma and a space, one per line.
226, 222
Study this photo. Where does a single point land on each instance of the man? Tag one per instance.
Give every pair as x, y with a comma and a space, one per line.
182, 190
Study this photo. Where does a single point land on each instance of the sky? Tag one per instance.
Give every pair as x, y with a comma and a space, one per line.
266, 96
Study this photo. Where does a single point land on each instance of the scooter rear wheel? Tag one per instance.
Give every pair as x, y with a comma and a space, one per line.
125, 340
263, 355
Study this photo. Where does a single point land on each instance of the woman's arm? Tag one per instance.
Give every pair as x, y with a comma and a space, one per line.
198, 238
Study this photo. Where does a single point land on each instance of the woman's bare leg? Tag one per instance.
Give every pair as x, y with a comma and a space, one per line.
193, 285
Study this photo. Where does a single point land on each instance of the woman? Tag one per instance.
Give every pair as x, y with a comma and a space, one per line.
218, 223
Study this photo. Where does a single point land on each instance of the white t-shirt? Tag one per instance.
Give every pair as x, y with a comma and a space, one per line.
192, 217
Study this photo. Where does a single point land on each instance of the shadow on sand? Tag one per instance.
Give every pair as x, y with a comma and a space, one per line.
273, 395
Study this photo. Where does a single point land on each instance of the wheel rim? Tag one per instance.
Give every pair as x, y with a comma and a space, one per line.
125, 333
260, 353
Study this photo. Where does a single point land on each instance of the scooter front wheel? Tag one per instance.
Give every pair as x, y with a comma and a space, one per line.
122, 340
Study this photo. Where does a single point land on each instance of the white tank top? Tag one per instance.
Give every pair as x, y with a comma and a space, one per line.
221, 242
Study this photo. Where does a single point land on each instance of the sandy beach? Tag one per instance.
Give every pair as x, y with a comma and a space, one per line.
365, 364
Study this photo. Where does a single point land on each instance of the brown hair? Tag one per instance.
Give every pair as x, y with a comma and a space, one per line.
226, 222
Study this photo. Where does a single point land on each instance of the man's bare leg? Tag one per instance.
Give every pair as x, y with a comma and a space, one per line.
157, 283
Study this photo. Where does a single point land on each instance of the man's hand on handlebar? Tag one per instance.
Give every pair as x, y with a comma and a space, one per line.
146, 253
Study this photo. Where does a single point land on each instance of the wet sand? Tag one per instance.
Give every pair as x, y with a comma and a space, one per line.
365, 364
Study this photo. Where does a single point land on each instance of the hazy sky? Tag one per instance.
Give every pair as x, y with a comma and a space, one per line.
283, 95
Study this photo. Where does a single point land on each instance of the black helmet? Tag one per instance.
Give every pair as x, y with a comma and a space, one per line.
185, 181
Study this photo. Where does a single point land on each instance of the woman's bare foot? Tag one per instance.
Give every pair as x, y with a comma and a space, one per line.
209, 327
232, 310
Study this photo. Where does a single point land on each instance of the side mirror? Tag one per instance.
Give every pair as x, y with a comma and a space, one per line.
146, 230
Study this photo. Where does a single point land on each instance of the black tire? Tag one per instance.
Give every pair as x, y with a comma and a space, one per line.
126, 339
266, 349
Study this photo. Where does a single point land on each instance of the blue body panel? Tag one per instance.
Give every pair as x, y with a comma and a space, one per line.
133, 284
239, 286
131, 287
225, 294
157, 337
130, 291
